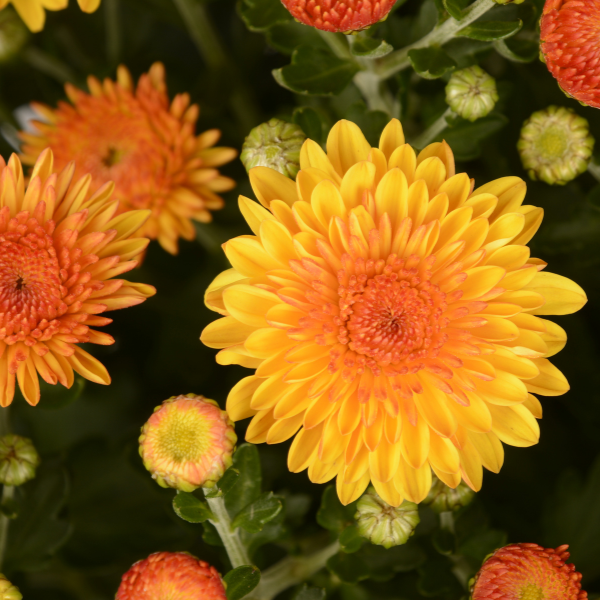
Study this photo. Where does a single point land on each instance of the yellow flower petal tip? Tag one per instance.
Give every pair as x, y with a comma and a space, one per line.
392, 315
62, 251
34, 16
187, 443
144, 143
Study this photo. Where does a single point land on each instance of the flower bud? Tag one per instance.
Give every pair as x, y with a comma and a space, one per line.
187, 443
13, 34
383, 524
555, 145
173, 575
442, 498
471, 93
8, 591
275, 144
18, 460
509, 1
528, 572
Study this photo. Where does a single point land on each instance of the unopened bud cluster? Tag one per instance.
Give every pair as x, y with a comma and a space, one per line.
18, 460
8, 591
555, 145
471, 93
383, 524
442, 498
275, 144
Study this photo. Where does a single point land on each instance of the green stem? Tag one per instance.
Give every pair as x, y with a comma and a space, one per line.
397, 61
204, 34
337, 43
447, 521
8, 492
433, 130
47, 64
236, 550
113, 30
594, 170
371, 87
291, 571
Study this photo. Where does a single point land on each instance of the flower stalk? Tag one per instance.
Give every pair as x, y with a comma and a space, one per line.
433, 130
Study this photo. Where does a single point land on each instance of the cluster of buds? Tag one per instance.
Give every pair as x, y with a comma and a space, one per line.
555, 145
275, 144
442, 498
187, 443
18, 460
383, 524
471, 93
8, 591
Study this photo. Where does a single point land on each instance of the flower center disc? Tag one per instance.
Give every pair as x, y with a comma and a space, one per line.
531, 592
184, 436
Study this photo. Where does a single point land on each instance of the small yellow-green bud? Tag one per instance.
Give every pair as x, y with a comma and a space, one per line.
442, 498
509, 1
13, 34
18, 460
187, 443
471, 93
275, 144
383, 524
8, 591
555, 145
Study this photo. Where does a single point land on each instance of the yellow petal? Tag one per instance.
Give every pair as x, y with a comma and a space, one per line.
533, 220
457, 189
480, 281
503, 230
263, 343
391, 138
269, 185
349, 492
358, 179
413, 484
88, 6
471, 467
388, 492
391, 197
213, 297
489, 448
327, 203
534, 406
249, 304
555, 337
475, 417
562, 295
259, 427
443, 455
238, 400
254, 213
284, 429
505, 390
432, 405
433, 172
277, 242
304, 448
383, 463
88, 366
33, 15
510, 192
237, 355
405, 159
248, 256
414, 442
442, 151
515, 425
225, 332
346, 146
313, 156
550, 381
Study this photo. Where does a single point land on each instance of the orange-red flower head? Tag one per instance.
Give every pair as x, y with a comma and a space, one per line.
60, 248
146, 145
569, 32
172, 575
528, 572
339, 15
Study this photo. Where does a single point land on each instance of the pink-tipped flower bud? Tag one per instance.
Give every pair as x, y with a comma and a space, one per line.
172, 575
187, 443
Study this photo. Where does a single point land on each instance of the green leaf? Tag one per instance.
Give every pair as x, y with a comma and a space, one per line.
384, 564
310, 122
437, 579
260, 15
332, 514
351, 540
371, 122
38, 532
455, 8
431, 63
316, 71
465, 137
286, 37
348, 567
490, 31
248, 485
224, 485
241, 581
370, 48
307, 592
211, 535
482, 543
57, 396
190, 508
522, 51
272, 531
256, 515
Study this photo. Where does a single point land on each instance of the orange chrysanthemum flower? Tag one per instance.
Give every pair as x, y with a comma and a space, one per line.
172, 575
146, 146
339, 15
60, 247
528, 572
569, 44
391, 314
33, 12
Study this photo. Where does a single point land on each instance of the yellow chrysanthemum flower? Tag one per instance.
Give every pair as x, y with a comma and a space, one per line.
33, 11
144, 143
392, 315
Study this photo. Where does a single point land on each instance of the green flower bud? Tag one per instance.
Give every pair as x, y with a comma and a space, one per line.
383, 524
275, 144
555, 145
442, 498
471, 93
509, 1
13, 34
18, 460
8, 591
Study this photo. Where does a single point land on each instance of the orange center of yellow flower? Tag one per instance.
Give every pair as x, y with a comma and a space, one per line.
30, 288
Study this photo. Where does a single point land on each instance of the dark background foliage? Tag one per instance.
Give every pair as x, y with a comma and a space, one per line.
93, 510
